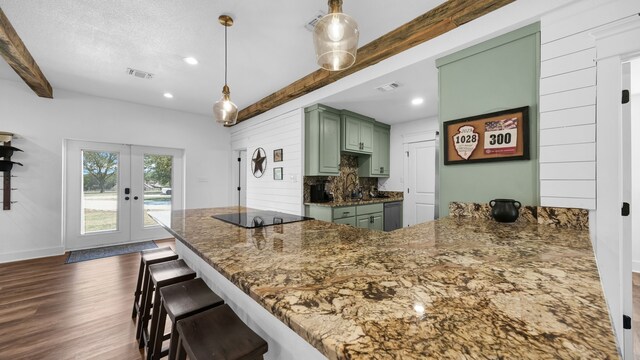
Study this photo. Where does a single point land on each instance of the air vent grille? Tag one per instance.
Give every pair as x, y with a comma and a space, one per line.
312, 23
388, 87
139, 73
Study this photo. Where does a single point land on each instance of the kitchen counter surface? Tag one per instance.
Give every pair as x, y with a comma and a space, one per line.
448, 289
356, 202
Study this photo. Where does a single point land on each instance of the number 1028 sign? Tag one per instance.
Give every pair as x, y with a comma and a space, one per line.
497, 136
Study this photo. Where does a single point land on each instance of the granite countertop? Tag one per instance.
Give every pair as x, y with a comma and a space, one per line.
448, 289
356, 202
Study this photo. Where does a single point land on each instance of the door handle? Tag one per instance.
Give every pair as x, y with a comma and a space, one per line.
127, 191
371, 219
135, 198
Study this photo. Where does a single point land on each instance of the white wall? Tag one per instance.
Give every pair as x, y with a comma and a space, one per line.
395, 181
567, 114
33, 227
568, 101
280, 132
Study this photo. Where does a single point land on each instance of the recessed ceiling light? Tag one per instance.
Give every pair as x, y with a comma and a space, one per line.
191, 60
168, 95
417, 101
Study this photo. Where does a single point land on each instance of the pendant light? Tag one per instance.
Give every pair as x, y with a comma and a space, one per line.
225, 111
335, 38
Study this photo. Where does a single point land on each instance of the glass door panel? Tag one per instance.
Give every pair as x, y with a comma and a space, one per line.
99, 191
157, 185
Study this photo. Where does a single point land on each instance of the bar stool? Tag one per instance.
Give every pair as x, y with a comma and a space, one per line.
180, 301
218, 334
160, 275
149, 257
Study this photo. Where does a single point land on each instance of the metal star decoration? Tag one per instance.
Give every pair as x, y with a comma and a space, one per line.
259, 162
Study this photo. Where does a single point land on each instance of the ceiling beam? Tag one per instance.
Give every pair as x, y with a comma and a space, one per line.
429, 25
18, 57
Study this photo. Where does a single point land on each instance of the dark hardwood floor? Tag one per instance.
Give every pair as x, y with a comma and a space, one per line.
53, 310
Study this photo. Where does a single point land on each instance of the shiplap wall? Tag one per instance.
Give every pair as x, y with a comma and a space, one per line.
568, 101
281, 132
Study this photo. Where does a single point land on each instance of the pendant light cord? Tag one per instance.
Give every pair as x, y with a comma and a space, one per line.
225, 54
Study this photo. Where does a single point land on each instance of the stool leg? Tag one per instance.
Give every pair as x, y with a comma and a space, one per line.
156, 338
145, 309
181, 355
173, 344
138, 292
154, 319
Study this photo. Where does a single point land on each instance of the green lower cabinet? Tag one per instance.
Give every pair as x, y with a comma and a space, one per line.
378, 222
369, 216
370, 221
363, 221
346, 221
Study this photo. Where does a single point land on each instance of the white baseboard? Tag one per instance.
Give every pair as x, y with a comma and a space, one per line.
635, 266
31, 254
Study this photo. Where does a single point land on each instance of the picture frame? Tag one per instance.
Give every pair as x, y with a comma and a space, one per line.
496, 136
277, 173
277, 155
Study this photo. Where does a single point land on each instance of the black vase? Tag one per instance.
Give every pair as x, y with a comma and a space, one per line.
505, 210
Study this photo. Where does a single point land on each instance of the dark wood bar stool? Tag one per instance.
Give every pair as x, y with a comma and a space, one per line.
180, 301
160, 275
149, 257
218, 334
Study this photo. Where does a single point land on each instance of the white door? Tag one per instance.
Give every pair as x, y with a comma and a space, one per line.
420, 190
110, 187
156, 185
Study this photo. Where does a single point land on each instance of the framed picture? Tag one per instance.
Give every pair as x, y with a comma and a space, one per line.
277, 155
497, 136
277, 173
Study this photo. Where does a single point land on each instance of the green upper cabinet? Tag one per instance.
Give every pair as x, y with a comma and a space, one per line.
357, 133
322, 141
378, 164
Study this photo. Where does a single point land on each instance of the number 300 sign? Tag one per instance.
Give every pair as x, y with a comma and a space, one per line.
497, 136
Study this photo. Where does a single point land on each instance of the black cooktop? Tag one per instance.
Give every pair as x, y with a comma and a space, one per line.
260, 218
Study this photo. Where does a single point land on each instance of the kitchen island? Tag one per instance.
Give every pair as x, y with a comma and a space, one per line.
448, 289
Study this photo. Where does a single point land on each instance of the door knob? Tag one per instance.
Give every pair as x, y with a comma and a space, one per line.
126, 198
135, 198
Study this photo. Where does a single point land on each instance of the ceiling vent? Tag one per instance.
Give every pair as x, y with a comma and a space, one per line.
139, 73
388, 87
311, 24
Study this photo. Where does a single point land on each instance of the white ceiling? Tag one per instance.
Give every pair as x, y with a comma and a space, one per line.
86, 46
416, 81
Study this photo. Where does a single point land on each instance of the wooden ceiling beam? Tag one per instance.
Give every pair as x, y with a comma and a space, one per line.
427, 26
18, 57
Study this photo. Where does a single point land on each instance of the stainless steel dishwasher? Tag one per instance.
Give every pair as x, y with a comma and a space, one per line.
392, 215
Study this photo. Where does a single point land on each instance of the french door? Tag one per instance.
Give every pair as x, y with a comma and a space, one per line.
110, 188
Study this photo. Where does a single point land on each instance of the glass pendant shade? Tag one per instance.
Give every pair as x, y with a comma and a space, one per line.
224, 110
335, 38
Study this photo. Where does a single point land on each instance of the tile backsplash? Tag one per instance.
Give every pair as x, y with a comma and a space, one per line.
342, 185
